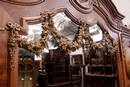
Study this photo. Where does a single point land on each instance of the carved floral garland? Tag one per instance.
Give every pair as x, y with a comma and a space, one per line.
83, 33
48, 28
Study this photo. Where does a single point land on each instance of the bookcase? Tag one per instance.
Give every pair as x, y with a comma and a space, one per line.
57, 68
102, 70
77, 71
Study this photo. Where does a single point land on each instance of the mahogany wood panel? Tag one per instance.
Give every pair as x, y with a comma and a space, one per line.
18, 11
4, 57
4, 17
4, 65
14, 72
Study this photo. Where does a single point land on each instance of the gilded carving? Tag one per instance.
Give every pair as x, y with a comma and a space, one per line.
48, 26
12, 42
95, 1
2, 29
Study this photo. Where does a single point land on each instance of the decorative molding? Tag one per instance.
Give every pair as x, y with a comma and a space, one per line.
107, 17
25, 21
110, 7
24, 2
84, 6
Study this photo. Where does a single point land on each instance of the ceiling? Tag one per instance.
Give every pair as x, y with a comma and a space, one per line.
123, 7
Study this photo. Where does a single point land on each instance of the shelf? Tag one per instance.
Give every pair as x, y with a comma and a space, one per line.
95, 65
77, 65
60, 65
101, 65
98, 75
76, 77
110, 75
102, 75
109, 65
58, 84
75, 81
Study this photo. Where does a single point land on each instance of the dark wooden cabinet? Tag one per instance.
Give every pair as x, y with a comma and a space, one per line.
102, 70
77, 71
57, 68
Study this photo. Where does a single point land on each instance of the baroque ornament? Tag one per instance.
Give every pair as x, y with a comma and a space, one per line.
12, 41
48, 28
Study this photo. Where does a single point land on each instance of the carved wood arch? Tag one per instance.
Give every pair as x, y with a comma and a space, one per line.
112, 18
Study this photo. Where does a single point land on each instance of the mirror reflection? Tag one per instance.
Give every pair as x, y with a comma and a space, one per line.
96, 33
57, 65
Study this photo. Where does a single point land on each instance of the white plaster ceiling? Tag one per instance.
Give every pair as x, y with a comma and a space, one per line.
123, 7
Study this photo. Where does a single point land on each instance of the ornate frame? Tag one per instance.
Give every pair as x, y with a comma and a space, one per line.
48, 26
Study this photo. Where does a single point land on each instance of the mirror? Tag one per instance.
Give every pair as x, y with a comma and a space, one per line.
127, 61
59, 49
63, 47
31, 65
96, 33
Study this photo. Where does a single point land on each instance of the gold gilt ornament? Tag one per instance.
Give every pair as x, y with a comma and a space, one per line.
48, 26
12, 41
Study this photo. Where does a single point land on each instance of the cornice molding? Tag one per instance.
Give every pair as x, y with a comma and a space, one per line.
88, 8
110, 7
27, 3
107, 10
125, 32
112, 25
